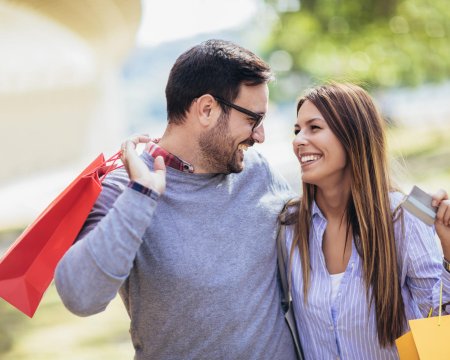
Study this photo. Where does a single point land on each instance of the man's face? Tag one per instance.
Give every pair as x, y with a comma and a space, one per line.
223, 146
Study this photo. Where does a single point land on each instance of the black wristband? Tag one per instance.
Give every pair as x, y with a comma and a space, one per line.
143, 190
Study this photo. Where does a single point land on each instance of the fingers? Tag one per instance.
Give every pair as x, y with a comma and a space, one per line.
128, 147
138, 170
443, 213
438, 196
140, 139
441, 202
159, 166
134, 141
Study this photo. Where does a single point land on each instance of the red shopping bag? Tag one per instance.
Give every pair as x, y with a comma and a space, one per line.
27, 268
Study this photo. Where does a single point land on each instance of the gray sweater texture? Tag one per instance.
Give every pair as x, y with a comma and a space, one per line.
195, 267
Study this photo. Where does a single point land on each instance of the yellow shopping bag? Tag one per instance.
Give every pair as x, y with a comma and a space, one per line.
428, 339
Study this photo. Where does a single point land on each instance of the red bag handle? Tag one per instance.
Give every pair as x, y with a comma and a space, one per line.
109, 166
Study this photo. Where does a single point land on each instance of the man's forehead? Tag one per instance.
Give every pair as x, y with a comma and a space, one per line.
254, 92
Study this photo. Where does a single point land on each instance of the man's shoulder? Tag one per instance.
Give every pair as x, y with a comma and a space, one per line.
259, 169
257, 165
253, 158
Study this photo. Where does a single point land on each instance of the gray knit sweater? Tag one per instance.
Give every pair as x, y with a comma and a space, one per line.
196, 267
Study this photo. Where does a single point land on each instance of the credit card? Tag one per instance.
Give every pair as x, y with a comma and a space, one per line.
418, 203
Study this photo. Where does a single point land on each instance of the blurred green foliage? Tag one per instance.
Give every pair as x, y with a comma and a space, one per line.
382, 43
420, 157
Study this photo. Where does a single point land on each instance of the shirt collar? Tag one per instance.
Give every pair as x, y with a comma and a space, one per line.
315, 210
154, 150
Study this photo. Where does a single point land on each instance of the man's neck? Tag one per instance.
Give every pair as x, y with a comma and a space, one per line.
183, 145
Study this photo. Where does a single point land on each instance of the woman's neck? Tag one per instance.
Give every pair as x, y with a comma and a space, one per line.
333, 201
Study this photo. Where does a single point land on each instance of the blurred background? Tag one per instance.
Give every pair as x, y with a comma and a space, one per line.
77, 77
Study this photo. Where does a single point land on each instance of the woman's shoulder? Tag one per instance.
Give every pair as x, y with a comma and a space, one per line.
396, 198
289, 213
405, 223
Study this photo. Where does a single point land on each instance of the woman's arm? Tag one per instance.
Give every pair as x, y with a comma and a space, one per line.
442, 223
425, 269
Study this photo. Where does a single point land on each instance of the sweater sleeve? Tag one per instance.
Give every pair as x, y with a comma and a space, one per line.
91, 273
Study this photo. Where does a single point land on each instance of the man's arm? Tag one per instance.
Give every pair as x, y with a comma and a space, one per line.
90, 274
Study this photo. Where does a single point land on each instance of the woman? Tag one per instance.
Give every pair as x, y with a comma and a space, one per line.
360, 265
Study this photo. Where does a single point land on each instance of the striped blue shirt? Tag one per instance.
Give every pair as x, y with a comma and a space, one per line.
345, 328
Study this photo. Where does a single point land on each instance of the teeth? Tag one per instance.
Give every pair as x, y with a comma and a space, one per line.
243, 147
307, 158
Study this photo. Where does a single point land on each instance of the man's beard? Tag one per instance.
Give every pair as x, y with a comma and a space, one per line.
218, 151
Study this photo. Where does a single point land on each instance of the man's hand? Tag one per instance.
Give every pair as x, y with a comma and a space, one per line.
137, 170
442, 223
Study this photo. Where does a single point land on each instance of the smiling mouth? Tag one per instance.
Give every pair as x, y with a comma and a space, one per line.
307, 159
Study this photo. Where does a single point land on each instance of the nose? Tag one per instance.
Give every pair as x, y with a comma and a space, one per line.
299, 140
258, 134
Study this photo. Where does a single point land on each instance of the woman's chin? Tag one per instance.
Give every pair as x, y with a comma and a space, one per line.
308, 180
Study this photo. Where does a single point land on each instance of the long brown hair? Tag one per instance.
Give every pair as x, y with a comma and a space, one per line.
353, 118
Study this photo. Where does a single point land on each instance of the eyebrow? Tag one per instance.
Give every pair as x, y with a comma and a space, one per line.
309, 121
258, 113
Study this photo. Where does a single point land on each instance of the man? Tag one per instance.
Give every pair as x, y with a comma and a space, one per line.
189, 242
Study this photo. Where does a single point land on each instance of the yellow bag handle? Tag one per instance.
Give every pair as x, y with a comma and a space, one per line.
440, 306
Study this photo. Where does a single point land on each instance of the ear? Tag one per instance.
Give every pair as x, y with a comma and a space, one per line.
207, 110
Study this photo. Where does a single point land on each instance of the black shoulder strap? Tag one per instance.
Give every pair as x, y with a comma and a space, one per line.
286, 300
282, 255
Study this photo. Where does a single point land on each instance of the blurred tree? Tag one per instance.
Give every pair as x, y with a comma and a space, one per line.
381, 43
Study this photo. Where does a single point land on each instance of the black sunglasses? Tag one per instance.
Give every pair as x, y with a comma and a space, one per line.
258, 118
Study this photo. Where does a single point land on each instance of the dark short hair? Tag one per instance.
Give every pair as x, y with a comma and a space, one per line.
215, 67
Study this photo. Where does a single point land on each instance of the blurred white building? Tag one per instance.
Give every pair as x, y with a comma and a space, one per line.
60, 104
